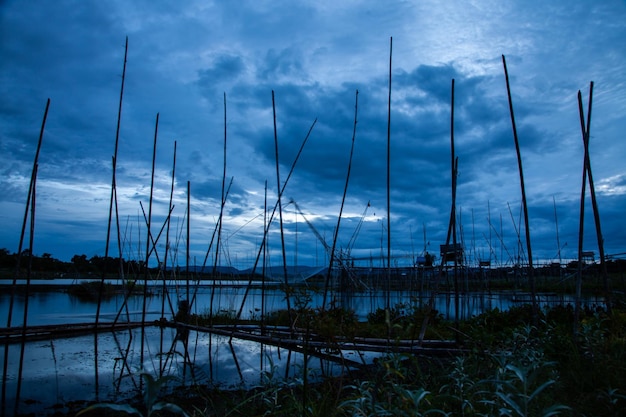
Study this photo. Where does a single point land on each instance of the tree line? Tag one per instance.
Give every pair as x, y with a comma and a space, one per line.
48, 266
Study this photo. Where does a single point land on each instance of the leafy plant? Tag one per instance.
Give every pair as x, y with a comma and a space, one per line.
150, 396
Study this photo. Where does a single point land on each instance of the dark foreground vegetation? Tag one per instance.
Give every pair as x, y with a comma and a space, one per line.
510, 368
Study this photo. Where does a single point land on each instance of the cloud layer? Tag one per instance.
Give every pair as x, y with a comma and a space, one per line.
189, 62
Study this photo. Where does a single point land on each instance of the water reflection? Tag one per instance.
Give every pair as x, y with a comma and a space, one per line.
62, 370
62, 308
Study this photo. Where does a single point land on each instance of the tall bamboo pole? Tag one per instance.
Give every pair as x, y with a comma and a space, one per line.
148, 241
581, 220
454, 168
33, 177
594, 205
219, 230
113, 197
263, 265
343, 199
388, 301
531, 277
28, 201
167, 247
587, 171
451, 229
108, 235
280, 209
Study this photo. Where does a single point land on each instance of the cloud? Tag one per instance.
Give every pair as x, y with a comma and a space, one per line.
314, 56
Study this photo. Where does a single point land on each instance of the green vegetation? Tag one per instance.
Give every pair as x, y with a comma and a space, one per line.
510, 368
150, 404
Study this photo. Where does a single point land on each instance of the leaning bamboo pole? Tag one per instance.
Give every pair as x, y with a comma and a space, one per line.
531, 277
19, 251
113, 194
581, 220
111, 202
27, 291
343, 199
587, 172
28, 201
280, 209
263, 245
594, 205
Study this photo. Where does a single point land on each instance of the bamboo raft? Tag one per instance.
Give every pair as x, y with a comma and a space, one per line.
33, 333
299, 340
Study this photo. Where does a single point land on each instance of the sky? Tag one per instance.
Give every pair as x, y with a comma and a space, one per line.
208, 69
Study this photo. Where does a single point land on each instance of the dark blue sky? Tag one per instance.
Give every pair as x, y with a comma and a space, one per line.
183, 57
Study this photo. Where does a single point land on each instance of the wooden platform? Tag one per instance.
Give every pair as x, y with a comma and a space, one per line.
56, 331
298, 340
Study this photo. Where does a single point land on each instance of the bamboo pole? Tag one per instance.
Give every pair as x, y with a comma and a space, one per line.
343, 199
594, 205
208, 251
187, 254
28, 201
280, 209
558, 241
113, 194
587, 171
454, 168
27, 292
152, 249
263, 269
111, 201
531, 277
451, 230
581, 222
19, 251
165, 294
219, 230
148, 240
119, 243
271, 218
388, 295
185, 338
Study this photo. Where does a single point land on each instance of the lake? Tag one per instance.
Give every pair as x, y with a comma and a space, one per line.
61, 370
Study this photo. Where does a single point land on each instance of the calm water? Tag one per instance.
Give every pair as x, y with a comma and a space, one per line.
58, 307
62, 370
